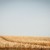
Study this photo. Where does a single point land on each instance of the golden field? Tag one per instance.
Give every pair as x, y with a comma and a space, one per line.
24, 43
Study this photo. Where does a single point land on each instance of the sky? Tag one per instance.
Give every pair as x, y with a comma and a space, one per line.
25, 17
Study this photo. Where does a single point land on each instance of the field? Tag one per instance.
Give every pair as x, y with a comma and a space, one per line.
24, 43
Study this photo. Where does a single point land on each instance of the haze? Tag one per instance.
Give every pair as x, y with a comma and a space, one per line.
25, 17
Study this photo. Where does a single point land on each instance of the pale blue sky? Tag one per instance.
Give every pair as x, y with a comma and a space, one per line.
25, 17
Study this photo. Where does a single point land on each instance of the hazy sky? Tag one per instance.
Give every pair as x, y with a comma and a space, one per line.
25, 17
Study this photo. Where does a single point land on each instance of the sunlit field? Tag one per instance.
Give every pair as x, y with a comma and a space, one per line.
24, 43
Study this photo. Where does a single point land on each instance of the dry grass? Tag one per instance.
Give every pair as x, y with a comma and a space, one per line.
24, 43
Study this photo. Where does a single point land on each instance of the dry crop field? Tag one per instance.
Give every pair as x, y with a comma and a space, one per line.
24, 43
